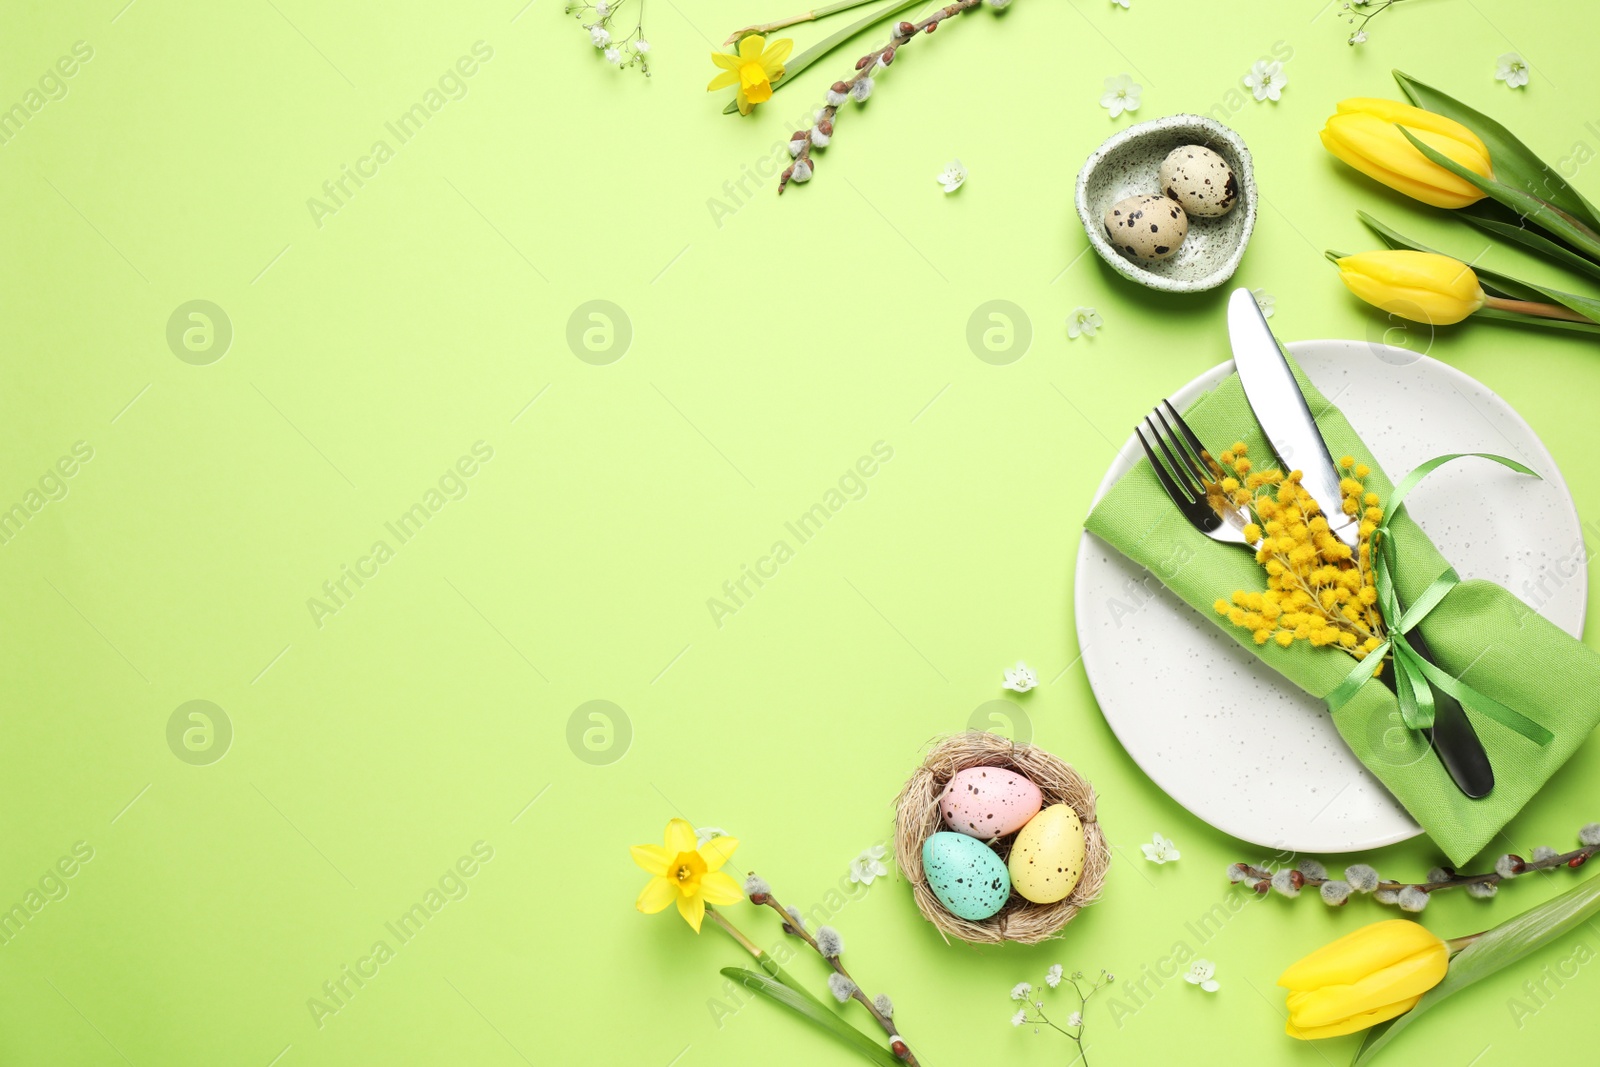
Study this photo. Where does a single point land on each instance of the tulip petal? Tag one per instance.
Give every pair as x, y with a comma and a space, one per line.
1360, 952
1355, 1022
657, 894
1379, 150
652, 858
1416, 118
693, 910
717, 851
1407, 979
718, 887
680, 837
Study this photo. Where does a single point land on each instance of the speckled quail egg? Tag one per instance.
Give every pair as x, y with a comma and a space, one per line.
1200, 180
1148, 227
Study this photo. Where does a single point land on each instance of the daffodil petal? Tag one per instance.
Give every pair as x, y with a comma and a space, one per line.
652, 858
772, 59
717, 851
759, 93
744, 102
657, 893
693, 909
751, 47
718, 887
726, 60
723, 80
679, 837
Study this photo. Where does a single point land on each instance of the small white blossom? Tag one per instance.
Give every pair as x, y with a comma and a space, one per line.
1075, 1019
599, 35
1335, 892
1121, 3
1020, 679
1265, 301
1052, 977
603, 8
1020, 1017
1266, 80
1511, 69
1202, 973
869, 865
1359, 37
1084, 321
1412, 899
1020, 991
861, 90
1362, 878
1122, 94
613, 55
953, 177
829, 943
706, 833
641, 45
1160, 850
841, 987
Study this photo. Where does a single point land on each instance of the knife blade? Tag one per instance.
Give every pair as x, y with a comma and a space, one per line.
1285, 417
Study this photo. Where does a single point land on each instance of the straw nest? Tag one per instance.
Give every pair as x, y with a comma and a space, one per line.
917, 817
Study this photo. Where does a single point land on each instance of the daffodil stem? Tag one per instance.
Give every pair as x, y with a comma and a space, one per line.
763, 960
733, 931
1532, 307
791, 925
866, 67
794, 20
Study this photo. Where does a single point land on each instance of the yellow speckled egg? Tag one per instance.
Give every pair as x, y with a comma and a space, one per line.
1047, 857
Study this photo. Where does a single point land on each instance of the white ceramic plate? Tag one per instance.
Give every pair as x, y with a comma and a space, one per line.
1229, 738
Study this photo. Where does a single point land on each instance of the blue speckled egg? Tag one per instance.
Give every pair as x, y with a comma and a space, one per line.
966, 875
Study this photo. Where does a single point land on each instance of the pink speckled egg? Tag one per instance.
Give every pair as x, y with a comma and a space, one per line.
986, 802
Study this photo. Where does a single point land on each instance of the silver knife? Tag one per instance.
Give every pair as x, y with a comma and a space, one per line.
1286, 419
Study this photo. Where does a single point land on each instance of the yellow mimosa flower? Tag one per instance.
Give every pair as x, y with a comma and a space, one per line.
686, 873
1421, 286
1363, 978
753, 69
1364, 133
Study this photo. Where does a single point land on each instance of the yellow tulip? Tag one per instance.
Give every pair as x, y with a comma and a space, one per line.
1420, 286
1363, 978
753, 69
688, 873
1364, 133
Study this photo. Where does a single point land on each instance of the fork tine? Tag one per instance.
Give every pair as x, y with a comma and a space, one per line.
1189, 436
1197, 466
1178, 495
1195, 487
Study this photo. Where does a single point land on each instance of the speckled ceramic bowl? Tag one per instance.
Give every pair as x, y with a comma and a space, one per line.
1129, 164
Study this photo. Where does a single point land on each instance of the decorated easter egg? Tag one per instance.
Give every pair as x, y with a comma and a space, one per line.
1200, 180
1146, 227
1047, 856
988, 802
965, 874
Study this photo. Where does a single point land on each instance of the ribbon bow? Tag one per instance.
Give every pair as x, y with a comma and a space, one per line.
1415, 677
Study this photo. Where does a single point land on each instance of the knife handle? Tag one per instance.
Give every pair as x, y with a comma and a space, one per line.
1452, 736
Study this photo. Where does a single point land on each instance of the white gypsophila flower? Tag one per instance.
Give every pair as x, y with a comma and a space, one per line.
599, 35
861, 90
1083, 321
1019, 679
1266, 80
1238, 872
869, 865
1312, 869
1121, 3
1362, 877
1511, 69
1506, 866
884, 1005
1335, 892
1122, 94
1052, 977
953, 177
1202, 972
1359, 37
613, 55
1020, 1017
1482, 890
641, 46
602, 8
841, 987
1386, 896
1412, 899
1020, 991
1589, 836
754, 884
1544, 852
706, 833
1283, 882
818, 138
1075, 1019
1265, 301
1160, 850
829, 943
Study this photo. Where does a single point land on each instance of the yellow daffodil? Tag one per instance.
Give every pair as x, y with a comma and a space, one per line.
1365, 134
1421, 286
1363, 978
690, 875
753, 69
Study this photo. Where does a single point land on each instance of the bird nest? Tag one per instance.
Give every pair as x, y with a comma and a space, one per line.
917, 817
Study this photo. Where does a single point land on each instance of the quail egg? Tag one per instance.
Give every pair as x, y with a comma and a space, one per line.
1200, 180
1149, 227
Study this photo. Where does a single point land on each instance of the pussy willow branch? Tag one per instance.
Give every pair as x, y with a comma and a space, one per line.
792, 926
1576, 858
866, 67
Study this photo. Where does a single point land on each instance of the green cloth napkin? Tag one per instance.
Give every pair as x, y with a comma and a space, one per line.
1515, 655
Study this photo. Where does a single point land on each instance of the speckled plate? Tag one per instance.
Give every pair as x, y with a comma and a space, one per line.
1228, 737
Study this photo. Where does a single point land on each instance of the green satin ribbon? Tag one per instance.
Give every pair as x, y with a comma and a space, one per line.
1415, 677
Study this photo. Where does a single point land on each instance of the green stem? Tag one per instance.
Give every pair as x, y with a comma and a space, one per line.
794, 20
828, 44
1532, 307
766, 962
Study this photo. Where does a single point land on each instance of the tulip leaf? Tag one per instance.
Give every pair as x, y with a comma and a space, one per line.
1497, 284
1524, 204
1491, 952
1514, 163
1494, 219
814, 1013
1536, 320
828, 44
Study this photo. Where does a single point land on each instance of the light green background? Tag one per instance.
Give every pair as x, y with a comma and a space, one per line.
768, 353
